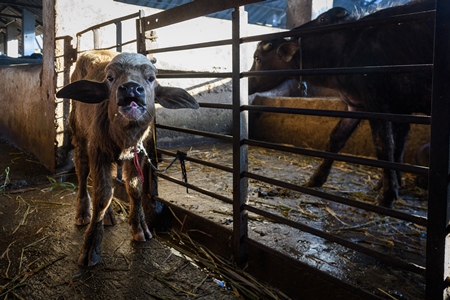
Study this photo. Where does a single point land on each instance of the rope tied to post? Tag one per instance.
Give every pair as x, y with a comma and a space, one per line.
180, 156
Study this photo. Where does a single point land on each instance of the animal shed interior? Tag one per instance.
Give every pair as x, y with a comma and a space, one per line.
41, 241
264, 195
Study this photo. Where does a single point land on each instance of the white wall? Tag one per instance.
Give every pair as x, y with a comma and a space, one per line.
75, 16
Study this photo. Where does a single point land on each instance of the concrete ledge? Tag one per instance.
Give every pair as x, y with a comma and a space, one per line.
313, 132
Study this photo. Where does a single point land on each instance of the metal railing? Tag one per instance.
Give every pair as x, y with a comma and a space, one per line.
438, 207
241, 142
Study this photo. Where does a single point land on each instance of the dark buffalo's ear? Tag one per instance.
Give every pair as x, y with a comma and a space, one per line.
85, 91
172, 97
340, 12
287, 50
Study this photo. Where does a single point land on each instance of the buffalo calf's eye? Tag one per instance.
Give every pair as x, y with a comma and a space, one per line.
151, 78
109, 78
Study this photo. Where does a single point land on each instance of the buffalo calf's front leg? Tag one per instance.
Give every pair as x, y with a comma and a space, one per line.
133, 183
102, 196
90, 253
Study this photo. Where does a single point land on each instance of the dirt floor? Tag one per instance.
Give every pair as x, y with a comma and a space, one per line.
41, 243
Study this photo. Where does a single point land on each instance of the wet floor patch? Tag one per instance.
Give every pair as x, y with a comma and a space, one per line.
388, 235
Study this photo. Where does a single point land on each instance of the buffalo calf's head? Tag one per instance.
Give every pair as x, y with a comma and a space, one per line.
131, 88
131, 82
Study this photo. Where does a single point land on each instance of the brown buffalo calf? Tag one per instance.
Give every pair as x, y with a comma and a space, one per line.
110, 122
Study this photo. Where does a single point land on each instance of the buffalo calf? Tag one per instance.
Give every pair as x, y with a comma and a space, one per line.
112, 121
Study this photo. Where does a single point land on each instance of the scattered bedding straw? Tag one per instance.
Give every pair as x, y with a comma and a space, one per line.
242, 284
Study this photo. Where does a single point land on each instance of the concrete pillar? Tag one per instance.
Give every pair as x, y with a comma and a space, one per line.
28, 34
12, 43
298, 12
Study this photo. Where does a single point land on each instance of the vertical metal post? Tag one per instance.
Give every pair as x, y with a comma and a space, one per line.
96, 39
28, 34
439, 192
119, 36
240, 132
140, 34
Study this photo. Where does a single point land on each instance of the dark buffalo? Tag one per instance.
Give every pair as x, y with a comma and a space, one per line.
405, 93
111, 121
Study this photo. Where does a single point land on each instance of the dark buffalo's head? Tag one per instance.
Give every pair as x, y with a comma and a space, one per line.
282, 54
267, 57
334, 15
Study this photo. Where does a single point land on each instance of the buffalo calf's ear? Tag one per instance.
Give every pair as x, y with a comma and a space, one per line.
85, 91
171, 97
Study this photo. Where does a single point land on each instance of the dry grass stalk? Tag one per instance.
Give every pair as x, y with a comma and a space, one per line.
19, 279
241, 283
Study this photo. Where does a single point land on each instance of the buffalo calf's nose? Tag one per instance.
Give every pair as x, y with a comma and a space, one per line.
131, 89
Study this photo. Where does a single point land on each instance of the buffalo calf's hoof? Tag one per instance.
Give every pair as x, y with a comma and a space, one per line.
90, 253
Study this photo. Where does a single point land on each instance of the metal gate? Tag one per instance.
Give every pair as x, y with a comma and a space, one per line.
247, 251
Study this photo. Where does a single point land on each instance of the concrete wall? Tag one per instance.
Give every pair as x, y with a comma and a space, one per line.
313, 132
27, 99
27, 121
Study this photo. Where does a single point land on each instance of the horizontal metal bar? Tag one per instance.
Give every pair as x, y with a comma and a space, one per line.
216, 105
191, 10
420, 16
196, 188
342, 157
110, 22
191, 46
111, 47
344, 71
197, 132
308, 72
196, 75
389, 259
198, 161
339, 199
425, 120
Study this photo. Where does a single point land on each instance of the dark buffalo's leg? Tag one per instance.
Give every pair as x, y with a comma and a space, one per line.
383, 139
339, 136
133, 183
401, 131
102, 195
400, 134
